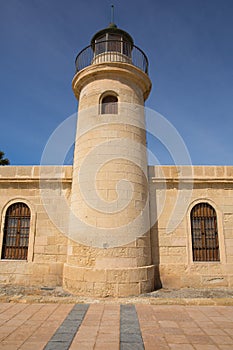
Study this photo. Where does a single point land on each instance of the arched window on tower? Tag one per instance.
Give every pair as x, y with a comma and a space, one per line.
205, 244
16, 232
109, 105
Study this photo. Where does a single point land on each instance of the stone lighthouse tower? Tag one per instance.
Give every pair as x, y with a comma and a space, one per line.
109, 252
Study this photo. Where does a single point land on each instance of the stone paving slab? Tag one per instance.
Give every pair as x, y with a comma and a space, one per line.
115, 327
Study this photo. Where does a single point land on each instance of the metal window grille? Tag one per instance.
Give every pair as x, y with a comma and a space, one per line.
109, 105
16, 232
205, 244
114, 43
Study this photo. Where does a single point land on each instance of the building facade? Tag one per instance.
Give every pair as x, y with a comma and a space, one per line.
110, 225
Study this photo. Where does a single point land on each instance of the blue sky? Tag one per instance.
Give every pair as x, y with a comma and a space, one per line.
190, 50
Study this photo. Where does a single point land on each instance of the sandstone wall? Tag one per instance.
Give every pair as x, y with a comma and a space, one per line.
172, 251
47, 246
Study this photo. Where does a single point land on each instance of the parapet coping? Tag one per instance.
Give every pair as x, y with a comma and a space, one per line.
156, 174
36, 173
191, 174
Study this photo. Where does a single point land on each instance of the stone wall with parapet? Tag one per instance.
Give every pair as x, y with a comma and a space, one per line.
47, 245
176, 190
171, 250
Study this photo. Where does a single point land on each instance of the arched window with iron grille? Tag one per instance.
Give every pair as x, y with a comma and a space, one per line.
109, 105
16, 232
205, 244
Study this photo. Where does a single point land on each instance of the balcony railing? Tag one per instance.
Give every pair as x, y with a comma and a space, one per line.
112, 51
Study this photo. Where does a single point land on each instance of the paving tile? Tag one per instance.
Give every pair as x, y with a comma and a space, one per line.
32, 345
205, 347
193, 331
153, 328
208, 324
223, 324
199, 339
187, 324
177, 331
83, 346
181, 347
176, 339
107, 346
198, 316
219, 339
131, 338
154, 338
159, 346
130, 346
42, 336
4, 306
12, 345
217, 319
168, 324
108, 337
229, 331
215, 331
57, 345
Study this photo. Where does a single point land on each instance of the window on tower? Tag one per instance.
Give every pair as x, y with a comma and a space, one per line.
112, 43
100, 45
109, 105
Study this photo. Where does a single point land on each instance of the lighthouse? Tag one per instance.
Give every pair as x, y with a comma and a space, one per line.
109, 249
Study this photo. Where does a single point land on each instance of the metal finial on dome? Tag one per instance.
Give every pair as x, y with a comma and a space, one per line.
112, 14
112, 29
112, 24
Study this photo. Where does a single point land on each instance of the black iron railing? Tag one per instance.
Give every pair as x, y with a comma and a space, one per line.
112, 51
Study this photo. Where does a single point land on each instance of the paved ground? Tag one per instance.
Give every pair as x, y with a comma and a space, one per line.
114, 326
